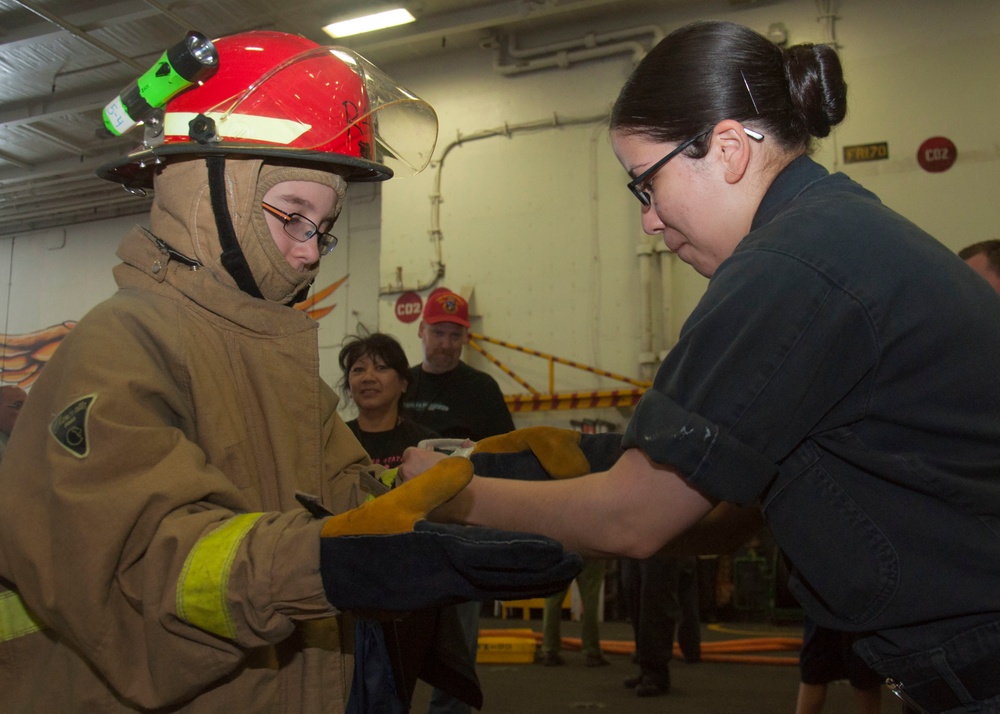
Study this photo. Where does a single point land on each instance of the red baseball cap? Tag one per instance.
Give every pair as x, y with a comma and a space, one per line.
445, 306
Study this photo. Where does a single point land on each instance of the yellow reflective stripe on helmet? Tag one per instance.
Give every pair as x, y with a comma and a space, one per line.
204, 581
16, 620
239, 126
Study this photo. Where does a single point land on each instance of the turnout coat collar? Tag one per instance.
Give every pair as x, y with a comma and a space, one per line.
145, 257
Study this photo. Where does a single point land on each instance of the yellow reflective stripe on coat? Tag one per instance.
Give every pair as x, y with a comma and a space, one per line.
388, 477
204, 581
16, 620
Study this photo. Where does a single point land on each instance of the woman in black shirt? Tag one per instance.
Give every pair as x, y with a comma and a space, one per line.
376, 375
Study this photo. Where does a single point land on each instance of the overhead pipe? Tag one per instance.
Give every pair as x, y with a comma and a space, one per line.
562, 55
507, 130
499, 13
563, 60
589, 40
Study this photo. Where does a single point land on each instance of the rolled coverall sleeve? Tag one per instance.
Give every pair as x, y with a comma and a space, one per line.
771, 350
128, 543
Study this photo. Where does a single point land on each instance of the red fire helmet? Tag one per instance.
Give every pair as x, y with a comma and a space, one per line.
282, 96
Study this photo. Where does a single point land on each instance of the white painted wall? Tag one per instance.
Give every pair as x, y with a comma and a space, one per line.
539, 223
55, 275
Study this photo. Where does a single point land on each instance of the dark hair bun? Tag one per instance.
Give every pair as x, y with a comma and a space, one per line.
816, 85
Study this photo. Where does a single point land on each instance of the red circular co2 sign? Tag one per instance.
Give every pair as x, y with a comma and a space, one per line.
937, 154
408, 307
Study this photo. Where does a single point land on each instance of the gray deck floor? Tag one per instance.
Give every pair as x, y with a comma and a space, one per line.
703, 688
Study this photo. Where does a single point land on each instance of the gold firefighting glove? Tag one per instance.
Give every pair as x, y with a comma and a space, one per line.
385, 556
539, 453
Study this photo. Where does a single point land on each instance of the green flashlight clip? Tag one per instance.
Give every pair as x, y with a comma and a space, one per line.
193, 59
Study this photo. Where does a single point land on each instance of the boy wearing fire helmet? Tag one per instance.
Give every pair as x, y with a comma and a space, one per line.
157, 555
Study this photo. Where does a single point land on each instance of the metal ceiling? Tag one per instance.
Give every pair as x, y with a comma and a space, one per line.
62, 61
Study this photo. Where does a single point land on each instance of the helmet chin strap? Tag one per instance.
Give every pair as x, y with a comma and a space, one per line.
232, 258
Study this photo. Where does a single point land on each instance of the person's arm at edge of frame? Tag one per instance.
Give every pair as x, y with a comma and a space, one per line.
722, 531
632, 510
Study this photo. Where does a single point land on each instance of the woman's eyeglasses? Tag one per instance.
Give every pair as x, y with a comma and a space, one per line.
299, 228
638, 185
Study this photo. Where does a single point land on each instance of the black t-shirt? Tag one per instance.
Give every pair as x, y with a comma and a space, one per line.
386, 447
461, 404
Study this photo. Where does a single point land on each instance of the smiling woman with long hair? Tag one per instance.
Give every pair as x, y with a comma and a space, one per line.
376, 375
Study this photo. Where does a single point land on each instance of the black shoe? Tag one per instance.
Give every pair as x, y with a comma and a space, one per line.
693, 659
551, 659
596, 661
651, 690
633, 682
653, 686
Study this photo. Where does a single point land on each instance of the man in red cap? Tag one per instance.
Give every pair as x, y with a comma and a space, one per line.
447, 395
460, 402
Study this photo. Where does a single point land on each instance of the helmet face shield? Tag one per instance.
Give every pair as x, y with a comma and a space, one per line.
404, 125
282, 96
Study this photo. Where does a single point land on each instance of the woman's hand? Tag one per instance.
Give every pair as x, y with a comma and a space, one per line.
417, 460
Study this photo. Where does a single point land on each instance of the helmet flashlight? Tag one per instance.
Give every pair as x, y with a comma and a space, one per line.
191, 60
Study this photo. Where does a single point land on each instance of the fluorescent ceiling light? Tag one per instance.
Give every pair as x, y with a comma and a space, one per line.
378, 21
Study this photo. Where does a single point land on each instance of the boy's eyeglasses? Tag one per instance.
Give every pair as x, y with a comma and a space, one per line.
299, 228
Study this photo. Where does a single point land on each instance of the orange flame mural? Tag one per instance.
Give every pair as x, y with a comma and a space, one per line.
23, 356
307, 304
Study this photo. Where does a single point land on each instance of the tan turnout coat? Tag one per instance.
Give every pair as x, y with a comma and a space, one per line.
149, 521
